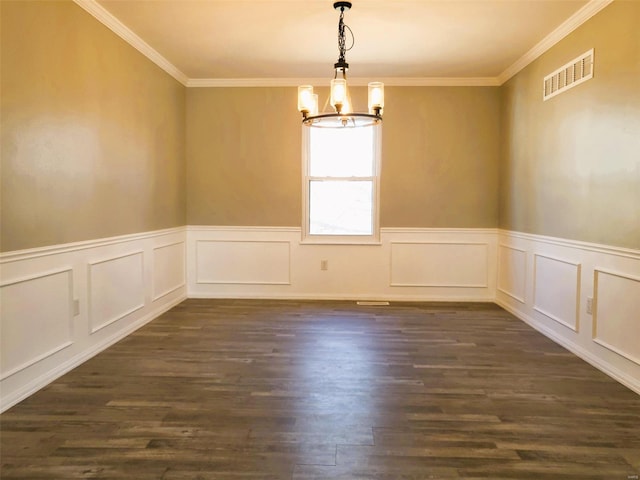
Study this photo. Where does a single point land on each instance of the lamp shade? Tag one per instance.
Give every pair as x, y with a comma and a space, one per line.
376, 97
306, 99
338, 93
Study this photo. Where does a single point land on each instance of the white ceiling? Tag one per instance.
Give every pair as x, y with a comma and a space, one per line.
484, 41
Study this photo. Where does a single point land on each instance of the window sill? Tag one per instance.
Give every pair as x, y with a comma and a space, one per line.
340, 242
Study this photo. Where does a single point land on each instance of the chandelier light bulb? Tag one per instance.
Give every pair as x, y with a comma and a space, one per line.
338, 93
305, 99
376, 97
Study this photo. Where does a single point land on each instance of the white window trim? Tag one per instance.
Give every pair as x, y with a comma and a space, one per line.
374, 238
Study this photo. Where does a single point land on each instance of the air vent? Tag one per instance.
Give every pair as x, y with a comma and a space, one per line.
568, 76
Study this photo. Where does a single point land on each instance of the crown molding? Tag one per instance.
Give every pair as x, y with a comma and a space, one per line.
565, 28
124, 32
353, 81
253, 82
439, 82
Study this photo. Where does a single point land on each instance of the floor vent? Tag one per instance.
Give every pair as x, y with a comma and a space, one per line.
373, 304
568, 76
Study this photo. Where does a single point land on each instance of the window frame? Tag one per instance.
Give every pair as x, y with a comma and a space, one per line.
317, 239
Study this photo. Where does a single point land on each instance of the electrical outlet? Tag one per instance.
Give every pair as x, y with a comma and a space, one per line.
589, 305
324, 264
76, 307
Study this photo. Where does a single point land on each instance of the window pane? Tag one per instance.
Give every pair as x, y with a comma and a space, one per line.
341, 152
340, 207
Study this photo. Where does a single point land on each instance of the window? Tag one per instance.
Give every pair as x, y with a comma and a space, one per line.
341, 173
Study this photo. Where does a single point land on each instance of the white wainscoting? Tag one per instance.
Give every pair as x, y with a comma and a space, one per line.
65, 303
408, 264
169, 269
440, 264
37, 319
550, 292
116, 288
512, 272
258, 262
556, 291
616, 315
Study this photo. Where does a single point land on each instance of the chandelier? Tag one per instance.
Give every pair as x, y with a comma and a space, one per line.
340, 99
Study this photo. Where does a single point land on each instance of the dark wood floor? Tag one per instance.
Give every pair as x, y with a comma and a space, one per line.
323, 390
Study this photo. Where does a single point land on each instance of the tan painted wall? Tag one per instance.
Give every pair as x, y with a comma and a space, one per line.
440, 157
243, 157
439, 166
570, 166
92, 131
93, 139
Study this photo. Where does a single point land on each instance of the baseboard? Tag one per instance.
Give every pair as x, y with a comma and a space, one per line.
349, 297
606, 368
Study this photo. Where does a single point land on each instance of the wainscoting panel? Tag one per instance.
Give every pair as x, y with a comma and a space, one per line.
616, 319
561, 279
62, 304
512, 272
439, 265
113, 286
168, 269
37, 319
243, 262
557, 290
407, 264
116, 289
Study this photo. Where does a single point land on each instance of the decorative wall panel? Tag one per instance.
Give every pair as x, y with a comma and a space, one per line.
37, 319
439, 264
116, 289
168, 269
243, 262
557, 290
616, 320
512, 272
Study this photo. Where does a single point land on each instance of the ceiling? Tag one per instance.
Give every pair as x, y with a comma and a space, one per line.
395, 40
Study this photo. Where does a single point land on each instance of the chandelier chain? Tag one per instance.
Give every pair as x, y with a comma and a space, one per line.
342, 44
